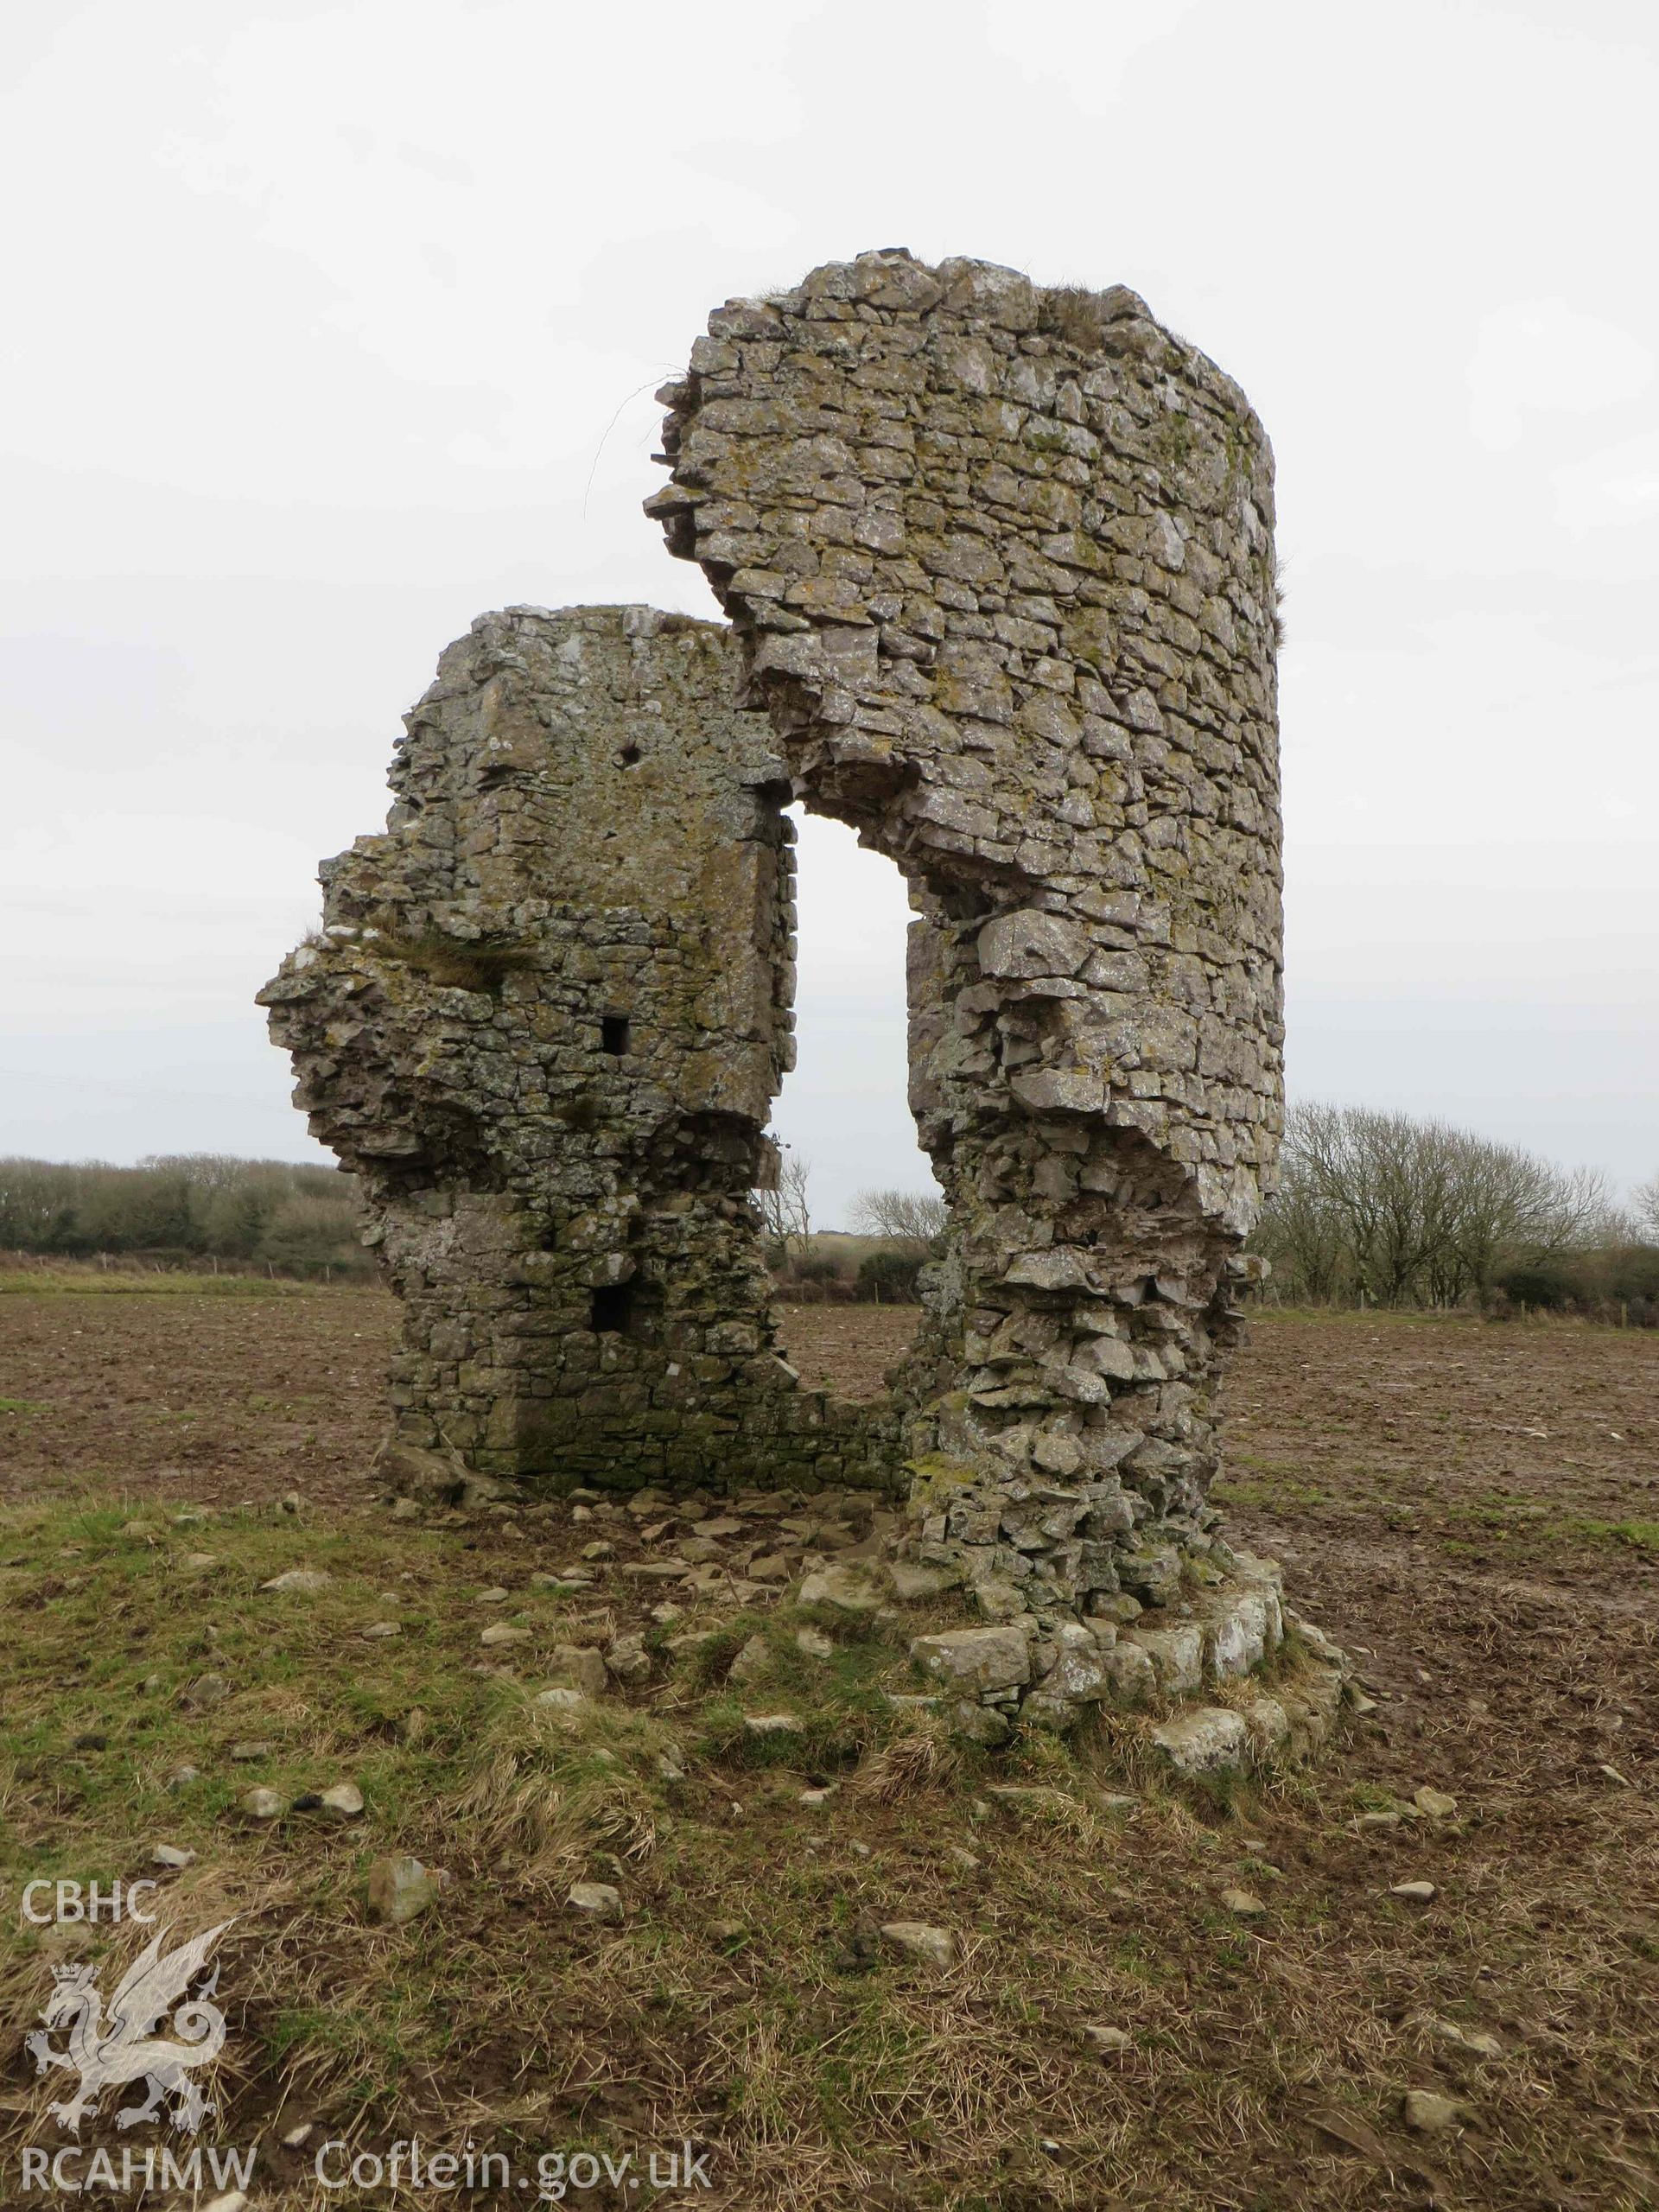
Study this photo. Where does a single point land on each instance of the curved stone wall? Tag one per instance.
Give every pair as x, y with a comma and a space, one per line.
1001, 563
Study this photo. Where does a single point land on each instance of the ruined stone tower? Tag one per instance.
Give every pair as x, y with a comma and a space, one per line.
544, 1022
1000, 564
999, 567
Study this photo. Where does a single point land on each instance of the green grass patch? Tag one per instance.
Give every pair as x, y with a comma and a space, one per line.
94, 1282
1268, 1483
1633, 1535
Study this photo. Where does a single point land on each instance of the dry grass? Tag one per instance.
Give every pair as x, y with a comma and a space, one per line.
901, 1768
462, 964
551, 1823
1072, 312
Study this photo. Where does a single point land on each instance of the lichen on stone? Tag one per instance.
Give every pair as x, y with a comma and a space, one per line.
1001, 565
543, 1024
998, 565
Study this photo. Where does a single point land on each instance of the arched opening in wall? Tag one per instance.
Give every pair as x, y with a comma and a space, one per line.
856, 1208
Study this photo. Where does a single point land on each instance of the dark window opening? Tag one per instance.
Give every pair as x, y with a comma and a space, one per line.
628, 756
613, 1033
613, 1307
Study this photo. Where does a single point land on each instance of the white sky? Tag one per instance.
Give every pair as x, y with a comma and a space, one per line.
334, 322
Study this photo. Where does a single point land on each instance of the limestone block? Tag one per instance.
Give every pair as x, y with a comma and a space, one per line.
1079, 1671
1236, 1637
1029, 943
1206, 1741
975, 1658
846, 1589
1177, 1655
1153, 1575
1129, 1672
1269, 1723
580, 1668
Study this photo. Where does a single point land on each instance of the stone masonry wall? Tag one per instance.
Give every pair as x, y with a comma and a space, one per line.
544, 1022
1001, 562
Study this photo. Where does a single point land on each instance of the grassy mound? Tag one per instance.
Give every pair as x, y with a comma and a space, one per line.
1112, 2022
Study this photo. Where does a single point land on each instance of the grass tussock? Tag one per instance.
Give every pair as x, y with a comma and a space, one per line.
552, 1821
460, 963
907, 1766
1073, 313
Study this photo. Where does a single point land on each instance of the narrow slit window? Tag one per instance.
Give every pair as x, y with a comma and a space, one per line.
613, 1030
612, 1308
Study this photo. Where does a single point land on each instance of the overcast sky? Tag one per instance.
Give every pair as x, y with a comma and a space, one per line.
334, 322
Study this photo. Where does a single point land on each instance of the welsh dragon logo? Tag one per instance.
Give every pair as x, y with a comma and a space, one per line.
109, 2053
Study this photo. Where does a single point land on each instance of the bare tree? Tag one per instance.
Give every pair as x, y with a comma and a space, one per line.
1304, 1239
1374, 1182
909, 1217
1646, 1195
785, 1212
1504, 1206
1407, 1212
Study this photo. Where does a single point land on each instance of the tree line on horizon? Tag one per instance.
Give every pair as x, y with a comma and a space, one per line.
1372, 1209
1387, 1210
186, 1208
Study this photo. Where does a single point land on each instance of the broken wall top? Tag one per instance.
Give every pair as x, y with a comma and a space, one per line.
586, 828
1001, 562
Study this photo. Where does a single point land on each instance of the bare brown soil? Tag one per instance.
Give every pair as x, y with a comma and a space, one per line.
210, 1399
1469, 1509
847, 1350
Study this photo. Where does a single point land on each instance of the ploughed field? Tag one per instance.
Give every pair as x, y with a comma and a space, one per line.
1473, 1510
